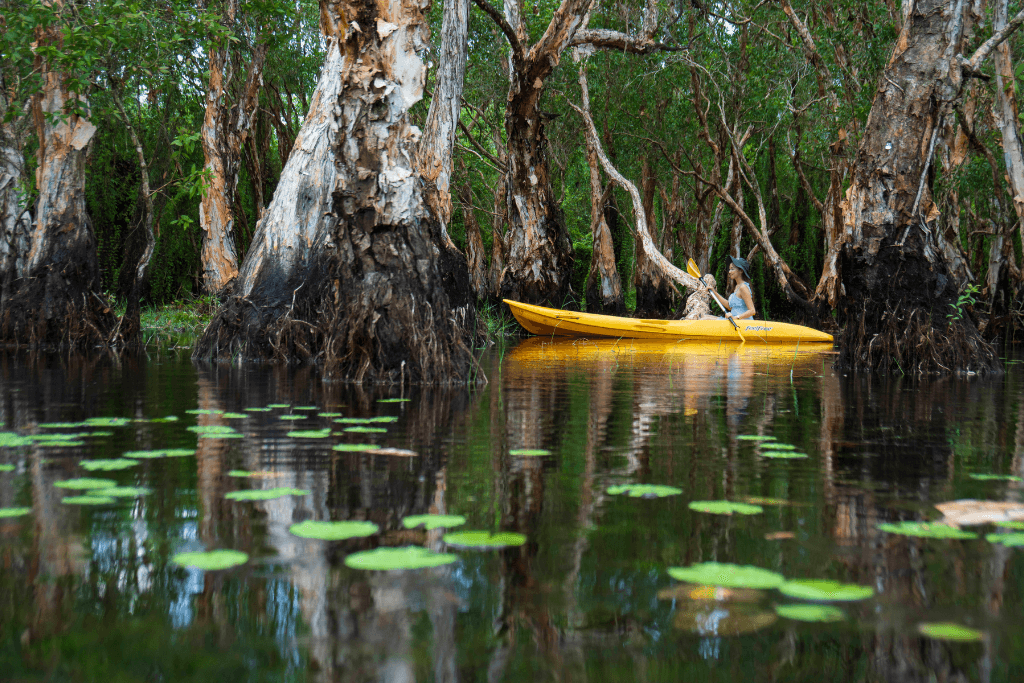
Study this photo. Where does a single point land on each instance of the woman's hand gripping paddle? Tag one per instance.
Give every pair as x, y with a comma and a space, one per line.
694, 271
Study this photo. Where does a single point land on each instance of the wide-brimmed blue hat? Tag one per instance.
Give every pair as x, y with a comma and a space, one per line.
742, 264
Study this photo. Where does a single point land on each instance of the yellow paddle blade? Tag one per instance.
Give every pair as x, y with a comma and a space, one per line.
692, 269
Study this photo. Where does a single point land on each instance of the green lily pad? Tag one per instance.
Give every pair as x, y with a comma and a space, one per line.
1010, 540
354, 420
258, 410
644, 490
265, 494
222, 435
310, 434
727, 575
328, 414
88, 499
355, 447
725, 507
163, 453
776, 446
825, 590
305, 408
6, 468
203, 411
240, 473
1011, 525
333, 531
815, 613
391, 559
211, 560
291, 416
12, 440
393, 400
279, 405
383, 418
125, 491
529, 452
782, 455
234, 416
926, 530
108, 464
107, 422
755, 437
14, 512
993, 477
212, 429
85, 483
433, 521
359, 429
61, 425
99, 434
947, 630
484, 539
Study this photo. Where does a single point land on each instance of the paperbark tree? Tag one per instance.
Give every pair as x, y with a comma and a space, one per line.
344, 269
55, 301
899, 308
225, 126
14, 219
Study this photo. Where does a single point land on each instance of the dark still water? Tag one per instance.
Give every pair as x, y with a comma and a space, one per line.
90, 589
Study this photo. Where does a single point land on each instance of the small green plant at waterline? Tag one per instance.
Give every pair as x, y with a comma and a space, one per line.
966, 298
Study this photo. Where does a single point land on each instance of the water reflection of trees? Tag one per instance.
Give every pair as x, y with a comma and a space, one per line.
579, 599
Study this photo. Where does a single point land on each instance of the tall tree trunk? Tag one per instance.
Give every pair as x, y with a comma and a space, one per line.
129, 326
55, 302
655, 294
538, 253
476, 258
899, 308
224, 129
344, 268
603, 287
14, 218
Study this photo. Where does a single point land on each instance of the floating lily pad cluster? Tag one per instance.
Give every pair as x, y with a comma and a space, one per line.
733, 576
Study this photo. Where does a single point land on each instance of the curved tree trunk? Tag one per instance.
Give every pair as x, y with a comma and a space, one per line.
345, 265
655, 295
55, 302
898, 310
224, 129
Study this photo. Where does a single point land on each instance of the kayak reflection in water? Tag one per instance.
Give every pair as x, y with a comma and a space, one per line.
740, 304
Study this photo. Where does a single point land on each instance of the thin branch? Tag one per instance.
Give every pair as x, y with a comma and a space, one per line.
498, 165
981, 54
499, 19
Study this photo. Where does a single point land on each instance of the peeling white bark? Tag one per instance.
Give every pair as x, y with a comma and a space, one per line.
14, 219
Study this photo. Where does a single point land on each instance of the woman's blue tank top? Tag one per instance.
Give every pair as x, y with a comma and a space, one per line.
736, 305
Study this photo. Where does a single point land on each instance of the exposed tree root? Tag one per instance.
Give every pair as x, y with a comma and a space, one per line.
381, 328
910, 309
53, 310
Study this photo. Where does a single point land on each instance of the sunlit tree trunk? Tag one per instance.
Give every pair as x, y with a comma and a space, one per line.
56, 301
225, 126
344, 269
900, 292
14, 220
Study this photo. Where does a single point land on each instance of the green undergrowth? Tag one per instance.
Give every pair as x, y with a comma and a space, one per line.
176, 324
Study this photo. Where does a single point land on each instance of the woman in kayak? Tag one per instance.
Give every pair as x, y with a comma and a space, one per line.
740, 304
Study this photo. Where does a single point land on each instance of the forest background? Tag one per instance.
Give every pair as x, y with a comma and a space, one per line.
738, 122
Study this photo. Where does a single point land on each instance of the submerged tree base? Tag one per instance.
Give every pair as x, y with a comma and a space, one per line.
901, 314
387, 326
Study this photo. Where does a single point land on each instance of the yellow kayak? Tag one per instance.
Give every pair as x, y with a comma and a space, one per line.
554, 322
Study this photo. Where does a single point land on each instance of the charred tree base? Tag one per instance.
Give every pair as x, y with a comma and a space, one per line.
657, 299
388, 326
899, 315
598, 303
52, 310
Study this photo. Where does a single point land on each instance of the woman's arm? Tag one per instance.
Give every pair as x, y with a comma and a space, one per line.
749, 301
